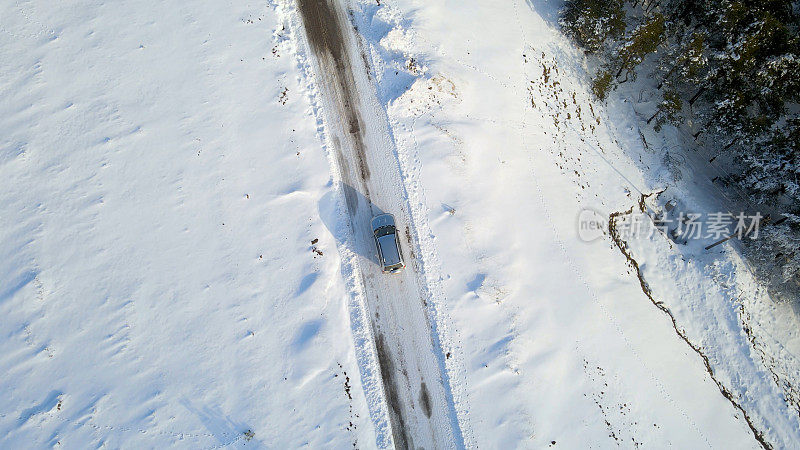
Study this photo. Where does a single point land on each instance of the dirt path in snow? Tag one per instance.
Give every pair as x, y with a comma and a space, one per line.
420, 405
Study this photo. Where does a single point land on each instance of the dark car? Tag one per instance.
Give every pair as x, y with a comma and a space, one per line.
385, 233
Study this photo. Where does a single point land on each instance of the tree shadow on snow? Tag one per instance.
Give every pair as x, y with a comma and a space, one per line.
222, 427
547, 9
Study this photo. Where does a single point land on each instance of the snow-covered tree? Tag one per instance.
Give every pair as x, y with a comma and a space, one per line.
592, 23
736, 64
642, 41
669, 110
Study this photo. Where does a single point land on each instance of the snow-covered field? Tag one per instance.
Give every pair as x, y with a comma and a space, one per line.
553, 338
163, 182
171, 232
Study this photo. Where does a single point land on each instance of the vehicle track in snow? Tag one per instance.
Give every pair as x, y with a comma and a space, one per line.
419, 403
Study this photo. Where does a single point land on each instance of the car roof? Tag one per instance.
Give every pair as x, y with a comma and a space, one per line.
389, 250
382, 221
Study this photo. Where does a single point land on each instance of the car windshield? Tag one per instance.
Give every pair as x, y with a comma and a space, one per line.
384, 230
389, 250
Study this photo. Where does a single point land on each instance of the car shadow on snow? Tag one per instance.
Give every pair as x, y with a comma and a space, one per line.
338, 217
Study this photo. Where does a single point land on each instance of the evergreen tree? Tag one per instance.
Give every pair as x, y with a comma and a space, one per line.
736, 64
592, 23
643, 41
669, 110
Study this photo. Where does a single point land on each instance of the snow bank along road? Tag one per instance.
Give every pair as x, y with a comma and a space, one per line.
419, 404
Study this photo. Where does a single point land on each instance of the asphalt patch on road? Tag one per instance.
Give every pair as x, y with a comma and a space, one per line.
425, 400
401, 437
324, 32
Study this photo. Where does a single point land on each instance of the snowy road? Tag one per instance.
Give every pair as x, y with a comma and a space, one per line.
419, 404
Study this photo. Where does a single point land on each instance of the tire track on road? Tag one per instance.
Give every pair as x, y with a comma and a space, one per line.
420, 408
